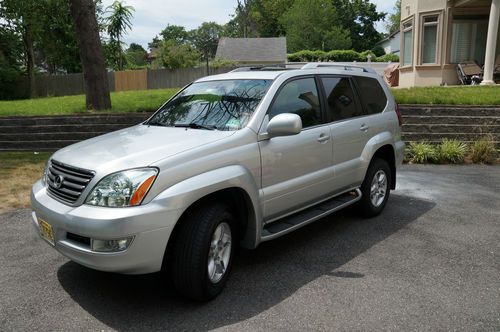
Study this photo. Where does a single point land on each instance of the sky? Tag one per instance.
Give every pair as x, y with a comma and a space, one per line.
151, 16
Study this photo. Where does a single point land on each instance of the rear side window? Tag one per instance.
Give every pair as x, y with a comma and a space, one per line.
340, 100
299, 97
372, 95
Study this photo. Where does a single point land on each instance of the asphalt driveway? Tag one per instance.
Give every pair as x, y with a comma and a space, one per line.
431, 261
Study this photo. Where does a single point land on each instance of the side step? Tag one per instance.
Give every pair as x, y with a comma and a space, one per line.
307, 216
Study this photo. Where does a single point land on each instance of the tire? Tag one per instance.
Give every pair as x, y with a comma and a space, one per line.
192, 246
371, 203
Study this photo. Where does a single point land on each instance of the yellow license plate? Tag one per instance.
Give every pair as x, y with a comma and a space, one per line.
46, 231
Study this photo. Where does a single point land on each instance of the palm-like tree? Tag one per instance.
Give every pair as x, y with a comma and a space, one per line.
118, 23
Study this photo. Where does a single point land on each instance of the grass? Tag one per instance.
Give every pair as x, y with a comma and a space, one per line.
18, 171
125, 101
450, 95
150, 100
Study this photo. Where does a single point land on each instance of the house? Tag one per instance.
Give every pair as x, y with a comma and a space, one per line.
391, 44
436, 35
252, 50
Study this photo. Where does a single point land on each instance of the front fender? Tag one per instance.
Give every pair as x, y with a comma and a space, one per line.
182, 195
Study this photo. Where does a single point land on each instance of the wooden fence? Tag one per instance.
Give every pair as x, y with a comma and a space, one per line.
73, 84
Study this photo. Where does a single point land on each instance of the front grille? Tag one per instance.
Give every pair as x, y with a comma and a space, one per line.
67, 183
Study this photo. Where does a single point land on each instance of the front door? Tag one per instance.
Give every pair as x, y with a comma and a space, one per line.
296, 170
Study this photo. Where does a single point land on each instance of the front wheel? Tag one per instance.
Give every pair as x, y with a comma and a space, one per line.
375, 188
203, 251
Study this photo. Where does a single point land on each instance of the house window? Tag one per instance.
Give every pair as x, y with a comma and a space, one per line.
468, 40
407, 43
429, 39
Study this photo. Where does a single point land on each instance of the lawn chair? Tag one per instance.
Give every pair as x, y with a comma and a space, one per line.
469, 73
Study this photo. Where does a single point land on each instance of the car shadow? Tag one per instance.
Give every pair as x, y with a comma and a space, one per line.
260, 278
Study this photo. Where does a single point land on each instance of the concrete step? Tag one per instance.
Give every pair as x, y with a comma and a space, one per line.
451, 128
68, 128
449, 110
132, 118
35, 145
35, 137
438, 137
466, 120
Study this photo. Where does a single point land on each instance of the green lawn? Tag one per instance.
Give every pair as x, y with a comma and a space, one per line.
150, 100
127, 101
452, 95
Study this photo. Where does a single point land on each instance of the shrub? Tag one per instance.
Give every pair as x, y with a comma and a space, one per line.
451, 151
388, 58
421, 152
483, 150
343, 56
378, 50
364, 56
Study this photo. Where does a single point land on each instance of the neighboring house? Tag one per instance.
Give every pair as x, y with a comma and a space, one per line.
391, 44
438, 34
252, 50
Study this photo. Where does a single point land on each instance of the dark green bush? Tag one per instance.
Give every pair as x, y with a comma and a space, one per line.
388, 58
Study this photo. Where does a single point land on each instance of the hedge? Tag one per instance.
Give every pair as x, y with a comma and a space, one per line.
339, 56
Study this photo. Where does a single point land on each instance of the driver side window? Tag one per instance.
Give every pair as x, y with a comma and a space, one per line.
299, 97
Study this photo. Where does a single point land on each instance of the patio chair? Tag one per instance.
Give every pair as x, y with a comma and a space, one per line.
469, 73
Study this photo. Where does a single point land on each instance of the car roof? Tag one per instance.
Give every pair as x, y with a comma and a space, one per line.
243, 75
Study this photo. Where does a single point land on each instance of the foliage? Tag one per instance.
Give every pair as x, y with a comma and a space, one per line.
309, 26
173, 55
135, 56
176, 33
339, 56
118, 22
451, 151
220, 63
206, 38
421, 152
378, 50
359, 18
387, 58
450, 95
483, 150
394, 20
126, 101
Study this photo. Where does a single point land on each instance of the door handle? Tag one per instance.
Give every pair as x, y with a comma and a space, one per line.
323, 138
364, 128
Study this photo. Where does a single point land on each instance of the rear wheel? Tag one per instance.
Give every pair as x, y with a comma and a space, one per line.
375, 188
203, 251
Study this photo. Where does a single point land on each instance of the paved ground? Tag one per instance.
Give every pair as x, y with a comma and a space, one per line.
431, 261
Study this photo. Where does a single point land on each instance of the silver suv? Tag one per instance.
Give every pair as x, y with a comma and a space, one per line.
232, 159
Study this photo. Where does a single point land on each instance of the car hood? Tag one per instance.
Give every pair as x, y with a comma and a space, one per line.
136, 146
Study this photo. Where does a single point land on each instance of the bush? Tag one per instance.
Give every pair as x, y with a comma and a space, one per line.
451, 151
421, 152
388, 58
343, 56
378, 51
483, 150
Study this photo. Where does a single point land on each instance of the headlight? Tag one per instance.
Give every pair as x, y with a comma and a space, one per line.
126, 188
45, 173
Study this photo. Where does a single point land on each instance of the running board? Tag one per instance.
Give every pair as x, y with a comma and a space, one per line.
307, 216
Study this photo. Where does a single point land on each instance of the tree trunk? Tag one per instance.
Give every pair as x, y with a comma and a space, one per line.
91, 55
30, 60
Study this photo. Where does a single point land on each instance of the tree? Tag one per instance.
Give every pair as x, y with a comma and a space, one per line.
310, 25
173, 55
176, 33
10, 52
206, 39
394, 20
118, 22
359, 18
91, 55
267, 14
136, 55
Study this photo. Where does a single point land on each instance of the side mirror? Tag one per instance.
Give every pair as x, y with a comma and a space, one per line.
284, 124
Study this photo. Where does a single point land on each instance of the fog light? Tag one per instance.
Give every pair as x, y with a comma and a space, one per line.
111, 245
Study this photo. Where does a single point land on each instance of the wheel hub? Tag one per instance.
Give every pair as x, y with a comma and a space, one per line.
378, 189
219, 253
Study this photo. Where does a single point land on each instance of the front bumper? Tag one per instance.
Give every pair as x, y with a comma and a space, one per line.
150, 225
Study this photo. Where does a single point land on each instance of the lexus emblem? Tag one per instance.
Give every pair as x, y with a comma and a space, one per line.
58, 181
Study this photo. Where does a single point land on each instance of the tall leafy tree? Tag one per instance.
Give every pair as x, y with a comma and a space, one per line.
176, 33
359, 18
136, 55
173, 55
206, 39
394, 19
91, 54
118, 22
310, 25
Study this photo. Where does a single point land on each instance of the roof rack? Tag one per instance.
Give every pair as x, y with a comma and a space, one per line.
314, 65
271, 67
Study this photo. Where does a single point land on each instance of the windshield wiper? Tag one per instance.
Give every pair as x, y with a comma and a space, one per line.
195, 125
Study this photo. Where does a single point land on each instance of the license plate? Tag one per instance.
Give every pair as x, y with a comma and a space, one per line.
46, 231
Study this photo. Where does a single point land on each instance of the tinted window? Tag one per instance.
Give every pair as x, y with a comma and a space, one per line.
221, 105
372, 95
299, 97
340, 99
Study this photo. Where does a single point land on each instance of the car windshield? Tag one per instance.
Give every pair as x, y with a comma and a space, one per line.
213, 105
